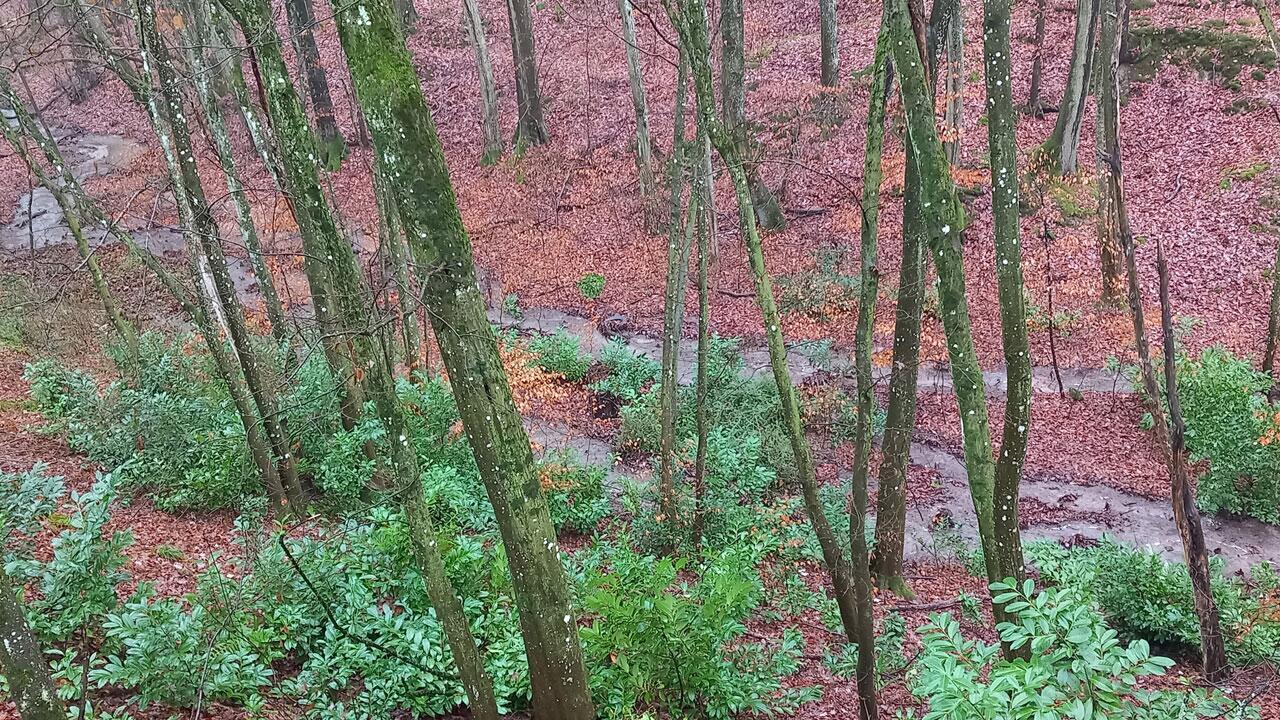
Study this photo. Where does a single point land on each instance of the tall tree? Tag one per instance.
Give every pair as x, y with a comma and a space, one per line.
946, 44
733, 98
690, 20
402, 128
943, 223
830, 43
1108, 231
1002, 140
530, 127
1060, 151
706, 231
1035, 106
330, 145
22, 661
644, 148
493, 144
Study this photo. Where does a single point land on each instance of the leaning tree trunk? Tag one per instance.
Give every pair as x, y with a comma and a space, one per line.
31, 687
859, 559
1035, 106
943, 220
491, 126
644, 148
1001, 139
691, 22
1061, 149
733, 97
329, 143
673, 312
830, 43
402, 128
530, 127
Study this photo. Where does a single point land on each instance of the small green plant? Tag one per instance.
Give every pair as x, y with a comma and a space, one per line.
575, 494
561, 353
629, 373
591, 285
169, 552
511, 306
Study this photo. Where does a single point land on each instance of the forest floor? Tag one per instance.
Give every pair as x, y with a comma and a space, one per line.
1200, 174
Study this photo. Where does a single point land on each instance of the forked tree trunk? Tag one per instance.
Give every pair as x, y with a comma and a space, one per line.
1035, 106
690, 20
329, 143
22, 662
491, 126
1061, 149
530, 127
401, 126
830, 43
859, 559
644, 148
943, 221
1001, 139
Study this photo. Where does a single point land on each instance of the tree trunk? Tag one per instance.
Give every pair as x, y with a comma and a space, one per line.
706, 231
1061, 148
530, 128
31, 686
691, 23
943, 221
408, 14
673, 311
1002, 141
397, 253
329, 143
402, 128
953, 93
1108, 242
491, 126
733, 97
859, 559
1273, 319
82, 75
1035, 106
830, 43
644, 148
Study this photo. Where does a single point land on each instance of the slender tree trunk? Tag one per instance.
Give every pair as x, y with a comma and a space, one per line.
491, 126
1061, 148
330, 146
1035, 106
402, 127
691, 23
673, 310
530, 127
408, 14
943, 220
859, 559
644, 148
1268, 24
1108, 241
706, 230
31, 686
82, 75
954, 92
398, 258
830, 43
1001, 139
1273, 319
733, 97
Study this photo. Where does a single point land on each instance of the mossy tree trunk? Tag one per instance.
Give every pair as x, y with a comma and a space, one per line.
329, 143
404, 133
859, 558
690, 20
531, 129
31, 687
946, 44
490, 124
706, 231
830, 43
1061, 149
943, 224
733, 98
1002, 140
644, 147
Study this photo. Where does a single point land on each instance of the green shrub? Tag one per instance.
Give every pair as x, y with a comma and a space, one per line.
26, 499
591, 285
654, 642
1146, 597
1077, 667
561, 353
344, 471
575, 494
629, 372
1227, 420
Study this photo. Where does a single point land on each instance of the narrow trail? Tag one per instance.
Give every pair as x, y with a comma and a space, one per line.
1065, 511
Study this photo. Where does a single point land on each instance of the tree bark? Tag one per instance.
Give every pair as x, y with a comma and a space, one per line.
1035, 106
706, 231
830, 43
1061, 150
1002, 141
402, 128
946, 43
1108, 242
690, 20
491, 126
329, 143
530, 127
644, 148
30, 679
